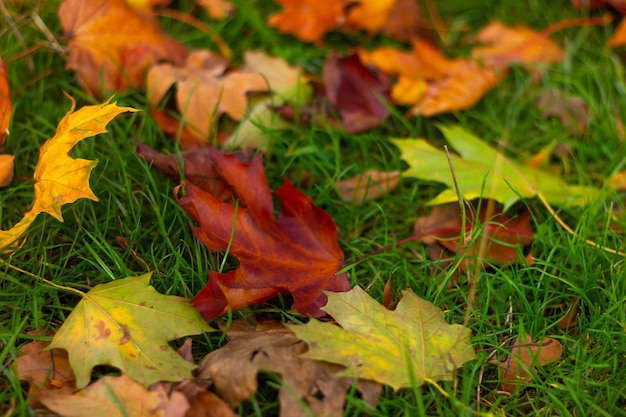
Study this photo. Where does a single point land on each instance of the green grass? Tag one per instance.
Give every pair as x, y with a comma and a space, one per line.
136, 203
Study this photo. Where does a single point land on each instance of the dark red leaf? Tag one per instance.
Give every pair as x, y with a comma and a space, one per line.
294, 252
357, 94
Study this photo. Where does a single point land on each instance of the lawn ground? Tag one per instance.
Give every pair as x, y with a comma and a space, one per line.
136, 203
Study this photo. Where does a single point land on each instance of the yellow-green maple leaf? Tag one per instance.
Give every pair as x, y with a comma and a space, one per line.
60, 179
127, 324
404, 347
481, 171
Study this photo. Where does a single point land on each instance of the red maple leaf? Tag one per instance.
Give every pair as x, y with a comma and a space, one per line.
293, 252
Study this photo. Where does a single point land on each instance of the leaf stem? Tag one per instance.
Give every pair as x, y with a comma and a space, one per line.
52, 284
572, 232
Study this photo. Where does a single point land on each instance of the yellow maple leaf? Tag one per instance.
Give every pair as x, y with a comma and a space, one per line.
126, 323
60, 179
401, 348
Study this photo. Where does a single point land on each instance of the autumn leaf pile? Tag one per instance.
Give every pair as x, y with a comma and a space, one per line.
111, 355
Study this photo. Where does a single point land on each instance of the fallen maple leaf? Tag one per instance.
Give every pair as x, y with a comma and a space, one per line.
405, 21
112, 396
190, 397
60, 179
6, 107
499, 242
367, 185
127, 324
6, 171
483, 172
43, 368
431, 82
307, 387
204, 91
572, 111
147, 5
618, 181
515, 45
111, 44
359, 95
619, 37
198, 168
286, 84
217, 9
6, 110
519, 367
295, 251
619, 5
410, 345
458, 90
309, 20
370, 15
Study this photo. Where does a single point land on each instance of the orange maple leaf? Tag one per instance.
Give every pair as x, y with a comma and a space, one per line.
217, 9
370, 15
60, 179
112, 44
434, 84
309, 20
204, 91
506, 45
431, 82
6, 109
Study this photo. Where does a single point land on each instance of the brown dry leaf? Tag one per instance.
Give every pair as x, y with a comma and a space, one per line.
204, 91
112, 44
367, 185
519, 367
112, 397
190, 398
441, 230
309, 20
517, 45
217, 9
307, 385
572, 111
201, 403
44, 369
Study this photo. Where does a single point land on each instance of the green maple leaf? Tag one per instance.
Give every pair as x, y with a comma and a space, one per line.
127, 324
483, 172
404, 347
